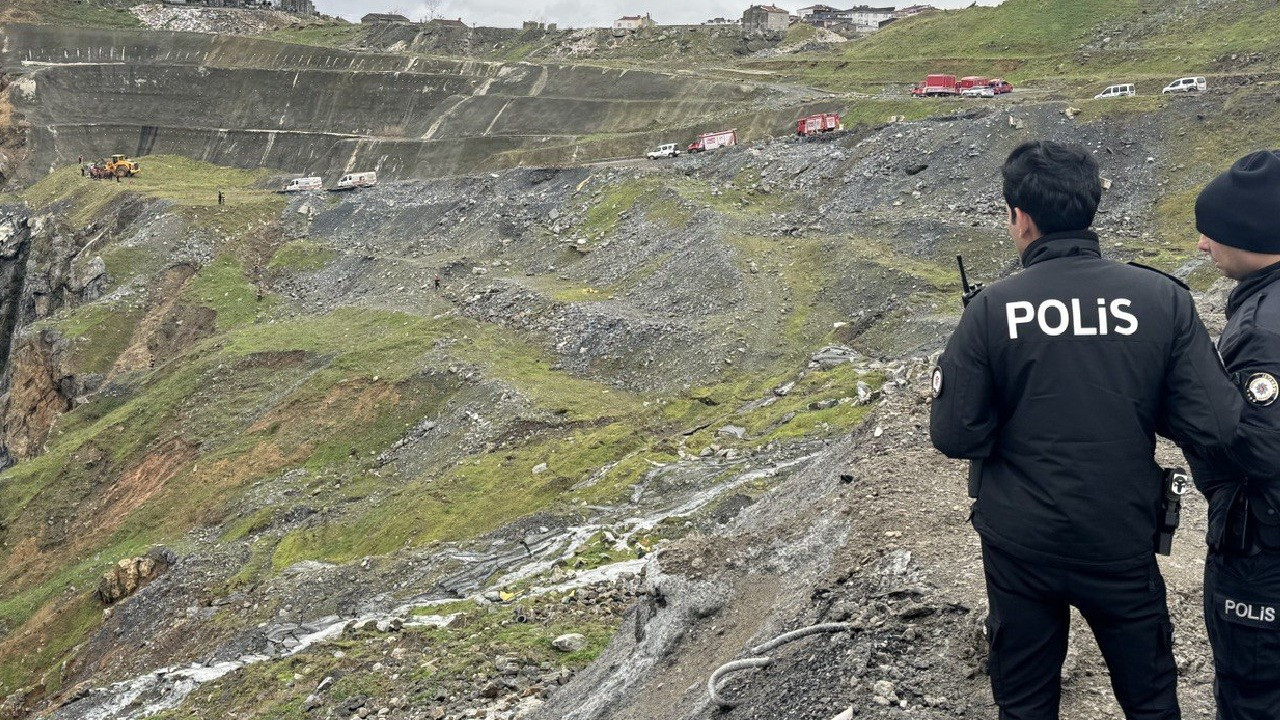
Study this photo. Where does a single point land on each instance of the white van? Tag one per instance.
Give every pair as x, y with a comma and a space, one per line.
357, 180
1186, 84
304, 183
663, 151
1121, 90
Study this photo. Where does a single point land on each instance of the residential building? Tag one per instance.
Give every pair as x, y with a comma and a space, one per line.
913, 10
867, 19
633, 22
765, 20
805, 12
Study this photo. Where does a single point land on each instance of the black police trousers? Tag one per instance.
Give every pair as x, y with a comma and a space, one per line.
1027, 633
1242, 612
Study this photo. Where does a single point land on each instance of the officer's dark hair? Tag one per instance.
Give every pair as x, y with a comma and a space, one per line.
1058, 185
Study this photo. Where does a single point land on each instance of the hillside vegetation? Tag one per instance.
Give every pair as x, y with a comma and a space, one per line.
92, 13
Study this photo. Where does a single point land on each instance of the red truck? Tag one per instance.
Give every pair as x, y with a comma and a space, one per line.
1000, 85
936, 86
814, 124
711, 141
972, 81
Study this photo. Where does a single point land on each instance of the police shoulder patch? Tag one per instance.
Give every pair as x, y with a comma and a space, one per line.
1181, 284
937, 382
1262, 389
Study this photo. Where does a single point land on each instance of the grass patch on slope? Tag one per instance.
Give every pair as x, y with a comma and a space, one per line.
70, 12
1239, 26
189, 184
330, 36
222, 286
301, 256
1015, 28
99, 332
1040, 42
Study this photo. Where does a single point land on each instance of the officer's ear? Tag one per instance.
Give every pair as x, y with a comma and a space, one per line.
1022, 223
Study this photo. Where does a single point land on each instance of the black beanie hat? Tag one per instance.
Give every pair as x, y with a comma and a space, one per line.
1241, 207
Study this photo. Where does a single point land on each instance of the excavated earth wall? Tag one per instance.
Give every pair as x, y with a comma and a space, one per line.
248, 102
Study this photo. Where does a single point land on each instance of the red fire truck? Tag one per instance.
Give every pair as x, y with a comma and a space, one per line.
941, 85
936, 86
821, 123
711, 141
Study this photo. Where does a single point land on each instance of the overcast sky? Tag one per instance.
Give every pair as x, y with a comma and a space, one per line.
576, 13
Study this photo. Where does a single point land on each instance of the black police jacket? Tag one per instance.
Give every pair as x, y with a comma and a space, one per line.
1056, 381
1250, 347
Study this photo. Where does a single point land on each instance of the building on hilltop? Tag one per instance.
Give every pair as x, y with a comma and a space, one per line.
442, 22
913, 10
723, 21
823, 16
539, 26
856, 20
634, 22
765, 20
805, 12
868, 19
383, 18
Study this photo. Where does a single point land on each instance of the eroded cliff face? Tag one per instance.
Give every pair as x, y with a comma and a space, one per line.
15, 246
327, 111
41, 271
12, 134
38, 393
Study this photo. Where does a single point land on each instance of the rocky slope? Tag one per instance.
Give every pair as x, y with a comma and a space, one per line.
686, 394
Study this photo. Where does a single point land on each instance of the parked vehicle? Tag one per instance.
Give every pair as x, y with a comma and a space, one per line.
821, 123
712, 141
663, 151
1000, 85
350, 181
986, 91
1114, 91
303, 183
1185, 85
972, 81
936, 86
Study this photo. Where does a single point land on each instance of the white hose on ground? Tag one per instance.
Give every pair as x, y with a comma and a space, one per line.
713, 683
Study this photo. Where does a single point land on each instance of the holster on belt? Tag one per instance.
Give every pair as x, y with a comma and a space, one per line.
1238, 537
1175, 483
1250, 526
1221, 503
975, 478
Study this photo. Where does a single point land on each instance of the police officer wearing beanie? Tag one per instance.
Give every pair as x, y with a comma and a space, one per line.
1238, 216
1054, 385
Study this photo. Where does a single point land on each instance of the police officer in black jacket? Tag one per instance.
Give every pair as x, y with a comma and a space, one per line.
1053, 386
1238, 216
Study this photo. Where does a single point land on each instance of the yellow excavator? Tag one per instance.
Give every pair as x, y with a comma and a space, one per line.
121, 166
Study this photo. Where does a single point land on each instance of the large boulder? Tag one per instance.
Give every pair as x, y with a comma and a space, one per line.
131, 574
